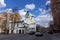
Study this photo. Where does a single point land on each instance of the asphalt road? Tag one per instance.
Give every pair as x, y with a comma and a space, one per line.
55, 36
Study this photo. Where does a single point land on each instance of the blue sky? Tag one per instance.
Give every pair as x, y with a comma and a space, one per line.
35, 7
20, 4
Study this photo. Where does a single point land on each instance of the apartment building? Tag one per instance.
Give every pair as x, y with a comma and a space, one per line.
6, 19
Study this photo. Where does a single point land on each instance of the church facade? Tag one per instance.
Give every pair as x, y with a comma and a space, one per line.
24, 26
31, 22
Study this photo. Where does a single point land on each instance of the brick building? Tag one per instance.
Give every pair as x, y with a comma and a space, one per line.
6, 19
55, 6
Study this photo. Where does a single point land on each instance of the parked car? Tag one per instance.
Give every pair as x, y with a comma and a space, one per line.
38, 34
31, 33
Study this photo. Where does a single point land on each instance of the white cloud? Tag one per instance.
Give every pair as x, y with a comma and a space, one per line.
2, 4
48, 2
6, 10
22, 12
1, 11
45, 16
44, 20
30, 6
42, 11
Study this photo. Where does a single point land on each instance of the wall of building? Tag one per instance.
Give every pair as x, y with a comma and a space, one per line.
31, 23
6, 19
55, 5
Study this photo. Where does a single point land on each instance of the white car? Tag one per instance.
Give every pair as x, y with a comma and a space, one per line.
38, 34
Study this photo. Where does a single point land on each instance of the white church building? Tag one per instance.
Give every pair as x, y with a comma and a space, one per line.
30, 21
25, 26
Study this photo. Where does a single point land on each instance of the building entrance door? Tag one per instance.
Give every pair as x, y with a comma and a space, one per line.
19, 31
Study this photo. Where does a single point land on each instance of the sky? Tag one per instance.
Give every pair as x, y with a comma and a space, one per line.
35, 7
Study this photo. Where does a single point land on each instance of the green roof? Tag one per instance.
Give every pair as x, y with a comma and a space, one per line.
27, 14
